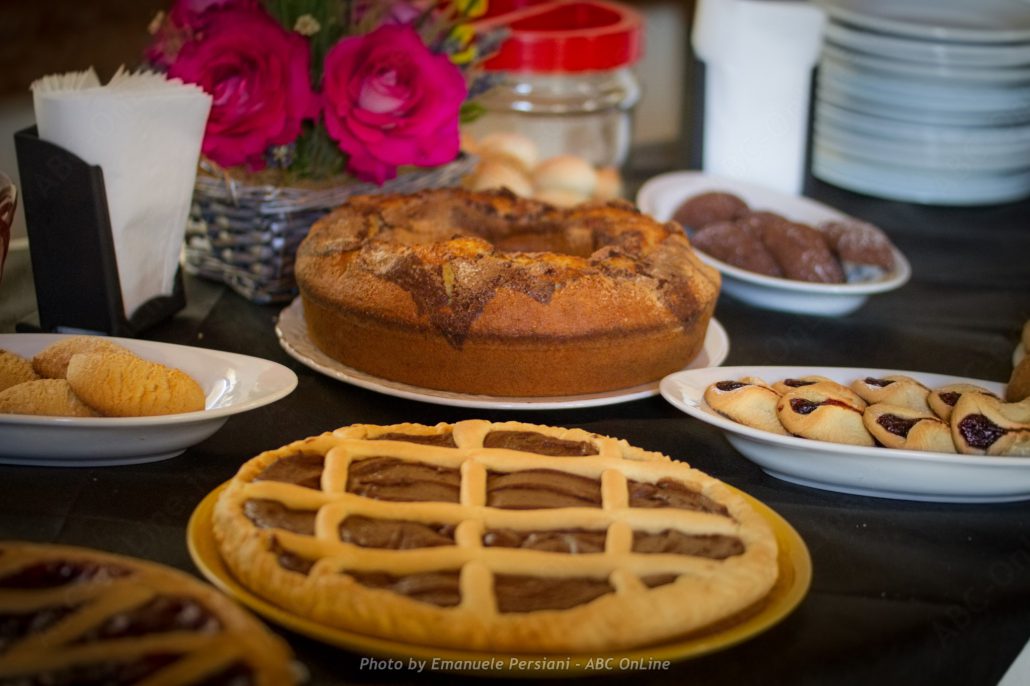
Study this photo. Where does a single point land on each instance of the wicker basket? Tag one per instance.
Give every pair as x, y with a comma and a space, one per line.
247, 234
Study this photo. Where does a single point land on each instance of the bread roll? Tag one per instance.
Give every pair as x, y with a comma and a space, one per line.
565, 173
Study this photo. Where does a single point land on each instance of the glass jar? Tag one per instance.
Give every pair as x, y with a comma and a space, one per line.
566, 77
587, 114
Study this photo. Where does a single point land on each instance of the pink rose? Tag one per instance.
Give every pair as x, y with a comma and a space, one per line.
191, 13
185, 21
8, 203
257, 74
389, 101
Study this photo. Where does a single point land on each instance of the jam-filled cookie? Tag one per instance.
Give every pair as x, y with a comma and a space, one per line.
749, 401
79, 616
493, 536
897, 426
942, 400
895, 389
822, 383
982, 425
821, 412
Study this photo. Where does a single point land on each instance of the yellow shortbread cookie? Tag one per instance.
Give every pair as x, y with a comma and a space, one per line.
50, 397
14, 370
52, 361
123, 385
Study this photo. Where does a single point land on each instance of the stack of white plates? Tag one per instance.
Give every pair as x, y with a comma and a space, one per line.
925, 100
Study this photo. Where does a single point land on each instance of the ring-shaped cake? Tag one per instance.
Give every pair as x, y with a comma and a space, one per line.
488, 293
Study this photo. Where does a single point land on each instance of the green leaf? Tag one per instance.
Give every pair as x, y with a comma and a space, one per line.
470, 111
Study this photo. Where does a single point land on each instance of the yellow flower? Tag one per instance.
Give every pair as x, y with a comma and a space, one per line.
471, 8
461, 36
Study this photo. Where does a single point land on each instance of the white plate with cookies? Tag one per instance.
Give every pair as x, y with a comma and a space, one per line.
662, 195
97, 400
871, 470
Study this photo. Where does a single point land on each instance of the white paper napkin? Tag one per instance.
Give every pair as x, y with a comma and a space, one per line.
145, 132
758, 57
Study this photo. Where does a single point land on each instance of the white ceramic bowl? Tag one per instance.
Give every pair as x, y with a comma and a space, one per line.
874, 471
663, 194
232, 384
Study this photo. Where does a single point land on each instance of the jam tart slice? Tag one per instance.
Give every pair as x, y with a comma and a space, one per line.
493, 536
79, 616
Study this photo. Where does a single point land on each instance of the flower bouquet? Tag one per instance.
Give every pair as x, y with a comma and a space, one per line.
315, 101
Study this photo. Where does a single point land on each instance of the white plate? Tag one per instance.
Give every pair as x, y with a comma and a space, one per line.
931, 159
988, 55
232, 384
915, 112
983, 21
293, 336
938, 187
908, 92
926, 72
874, 471
923, 154
663, 194
912, 133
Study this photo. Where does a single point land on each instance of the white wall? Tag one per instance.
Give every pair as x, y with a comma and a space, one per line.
659, 114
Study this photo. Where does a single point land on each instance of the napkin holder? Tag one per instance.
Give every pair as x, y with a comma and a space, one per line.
71, 246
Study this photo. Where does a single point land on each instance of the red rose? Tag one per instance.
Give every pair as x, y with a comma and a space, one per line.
257, 74
390, 101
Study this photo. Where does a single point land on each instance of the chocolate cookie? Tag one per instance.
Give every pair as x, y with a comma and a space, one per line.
703, 209
802, 252
864, 251
735, 243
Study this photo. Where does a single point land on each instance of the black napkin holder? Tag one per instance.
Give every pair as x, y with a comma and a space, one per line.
71, 246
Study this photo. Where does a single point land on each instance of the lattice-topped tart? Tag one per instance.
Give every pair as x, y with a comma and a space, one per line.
493, 536
78, 616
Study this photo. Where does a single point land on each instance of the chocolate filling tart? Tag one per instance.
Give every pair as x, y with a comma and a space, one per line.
75, 616
497, 536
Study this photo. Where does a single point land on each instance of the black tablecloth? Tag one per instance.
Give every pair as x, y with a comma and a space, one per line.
903, 592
